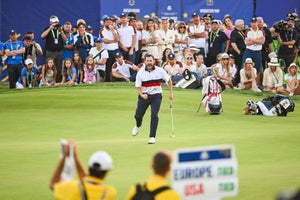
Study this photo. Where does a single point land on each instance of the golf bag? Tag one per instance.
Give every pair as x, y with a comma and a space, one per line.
278, 105
211, 91
190, 80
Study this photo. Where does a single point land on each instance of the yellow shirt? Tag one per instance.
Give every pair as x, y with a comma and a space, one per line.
69, 190
153, 183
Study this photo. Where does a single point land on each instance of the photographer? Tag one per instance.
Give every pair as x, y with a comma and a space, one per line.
54, 37
31, 49
36, 47
287, 38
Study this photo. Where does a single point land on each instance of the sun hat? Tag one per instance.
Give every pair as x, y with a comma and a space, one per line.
193, 47
224, 56
272, 55
273, 62
293, 65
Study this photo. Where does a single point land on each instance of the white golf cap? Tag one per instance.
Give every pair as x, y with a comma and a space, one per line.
28, 61
103, 159
54, 19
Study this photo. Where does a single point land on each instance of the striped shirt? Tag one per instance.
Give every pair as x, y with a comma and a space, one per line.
151, 81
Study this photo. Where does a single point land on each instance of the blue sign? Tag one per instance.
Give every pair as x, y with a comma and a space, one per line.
204, 155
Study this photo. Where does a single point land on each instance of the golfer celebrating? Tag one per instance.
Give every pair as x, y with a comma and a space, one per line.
148, 84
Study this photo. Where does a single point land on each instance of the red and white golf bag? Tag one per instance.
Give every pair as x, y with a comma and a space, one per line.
211, 91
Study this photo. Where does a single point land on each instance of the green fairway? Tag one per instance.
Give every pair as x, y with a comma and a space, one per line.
101, 117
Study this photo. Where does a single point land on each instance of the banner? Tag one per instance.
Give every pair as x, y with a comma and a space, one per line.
116, 7
170, 9
277, 11
241, 9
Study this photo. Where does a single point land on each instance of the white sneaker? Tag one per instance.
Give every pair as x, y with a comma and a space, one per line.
151, 140
291, 94
135, 130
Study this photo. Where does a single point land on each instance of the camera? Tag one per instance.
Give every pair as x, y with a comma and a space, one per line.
280, 26
57, 25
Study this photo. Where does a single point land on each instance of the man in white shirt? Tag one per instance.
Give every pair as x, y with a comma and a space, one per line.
100, 56
254, 40
148, 84
197, 34
124, 70
110, 40
127, 38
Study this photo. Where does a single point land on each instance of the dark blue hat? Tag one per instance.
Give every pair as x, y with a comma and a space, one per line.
98, 40
12, 32
171, 56
89, 27
118, 54
195, 15
123, 15
105, 17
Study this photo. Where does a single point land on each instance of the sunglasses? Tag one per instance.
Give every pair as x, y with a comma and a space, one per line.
189, 58
182, 27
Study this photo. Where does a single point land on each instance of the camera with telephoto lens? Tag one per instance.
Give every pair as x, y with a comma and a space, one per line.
280, 26
57, 25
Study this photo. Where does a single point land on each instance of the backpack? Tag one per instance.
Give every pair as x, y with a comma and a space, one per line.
142, 193
278, 105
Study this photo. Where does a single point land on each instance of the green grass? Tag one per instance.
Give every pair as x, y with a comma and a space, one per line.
101, 117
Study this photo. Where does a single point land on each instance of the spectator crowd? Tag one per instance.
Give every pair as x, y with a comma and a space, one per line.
257, 58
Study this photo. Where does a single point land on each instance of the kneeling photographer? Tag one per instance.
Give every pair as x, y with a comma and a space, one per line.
287, 37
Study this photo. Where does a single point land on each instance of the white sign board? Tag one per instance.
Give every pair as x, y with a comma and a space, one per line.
205, 172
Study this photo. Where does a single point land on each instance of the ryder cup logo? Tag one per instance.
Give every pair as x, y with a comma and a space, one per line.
209, 2
131, 2
169, 8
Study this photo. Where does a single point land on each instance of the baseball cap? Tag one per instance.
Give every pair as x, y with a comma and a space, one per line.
171, 56
89, 27
254, 19
207, 15
118, 54
122, 15
12, 32
103, 159
28, 61
291, 16
114, 17
195, 15
106, 17
54, 19
215, 21
98, 40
